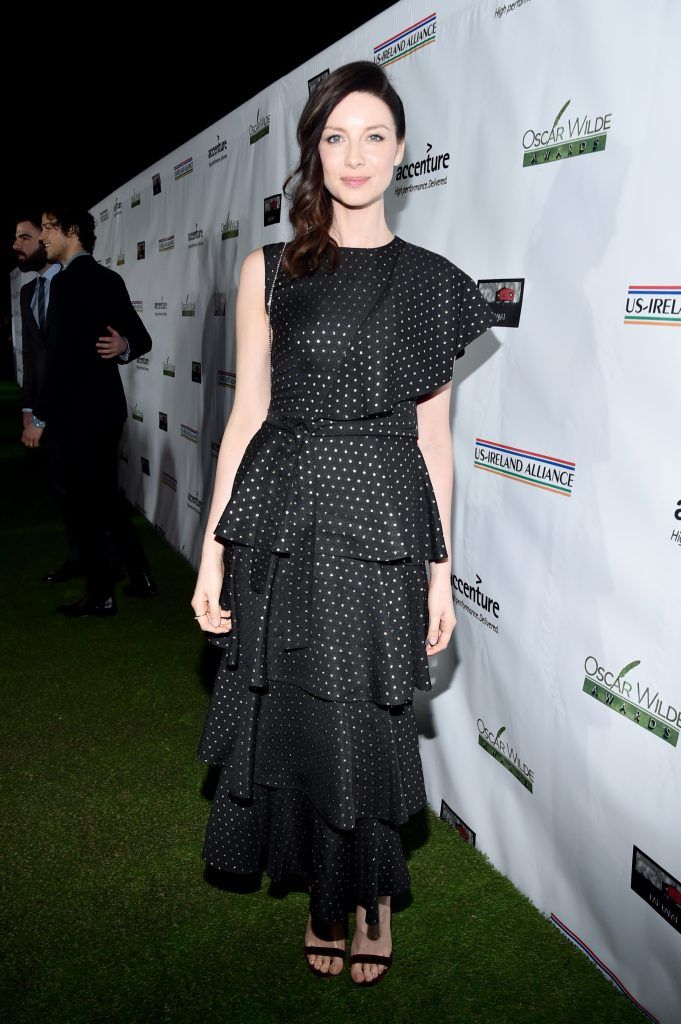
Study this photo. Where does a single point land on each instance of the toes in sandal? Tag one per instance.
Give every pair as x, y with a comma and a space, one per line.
322, 951
371, 958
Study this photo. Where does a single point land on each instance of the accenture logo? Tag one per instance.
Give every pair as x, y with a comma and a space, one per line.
195, 237
217, 152
195, 502
406, 42
473, 600
161, 308
654, 305
546, 472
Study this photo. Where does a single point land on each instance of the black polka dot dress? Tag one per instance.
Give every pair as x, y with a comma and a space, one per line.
331, 520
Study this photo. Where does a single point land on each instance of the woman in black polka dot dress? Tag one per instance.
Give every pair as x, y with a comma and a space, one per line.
332, 491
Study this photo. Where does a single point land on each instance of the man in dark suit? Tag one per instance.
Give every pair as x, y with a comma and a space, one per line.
91, 324
34, 300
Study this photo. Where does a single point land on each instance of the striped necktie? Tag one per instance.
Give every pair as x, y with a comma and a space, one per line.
41, 303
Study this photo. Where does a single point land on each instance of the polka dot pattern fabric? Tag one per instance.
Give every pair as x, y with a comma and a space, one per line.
331, 520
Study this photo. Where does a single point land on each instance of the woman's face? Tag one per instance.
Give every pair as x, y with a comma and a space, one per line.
359, 150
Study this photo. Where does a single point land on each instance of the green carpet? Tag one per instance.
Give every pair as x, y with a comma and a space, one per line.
106, 913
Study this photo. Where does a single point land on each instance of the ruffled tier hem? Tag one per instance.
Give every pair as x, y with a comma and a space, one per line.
281, 832
352, 759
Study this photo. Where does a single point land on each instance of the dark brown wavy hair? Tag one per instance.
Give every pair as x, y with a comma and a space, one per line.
311, 209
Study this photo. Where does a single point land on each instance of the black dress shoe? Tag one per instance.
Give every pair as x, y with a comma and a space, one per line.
66, 571
102, 606
141, 585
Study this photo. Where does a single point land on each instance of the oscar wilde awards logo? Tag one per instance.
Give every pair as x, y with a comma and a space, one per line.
576, 136
229, 228
505, 754
184, 168
135, 200
188, 308
640, 703
168, 367
120, 259
430, 164
407, 41
657, 887
260, 129
547, 472
653, 305
217, 152
137, 413
484, 605
505, 297
457, 823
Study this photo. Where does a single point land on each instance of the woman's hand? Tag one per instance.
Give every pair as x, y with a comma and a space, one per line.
206, 600
441, 616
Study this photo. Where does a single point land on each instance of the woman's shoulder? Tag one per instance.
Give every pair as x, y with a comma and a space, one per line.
430, 261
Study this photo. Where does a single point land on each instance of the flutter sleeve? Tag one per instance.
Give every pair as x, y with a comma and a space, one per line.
440, 312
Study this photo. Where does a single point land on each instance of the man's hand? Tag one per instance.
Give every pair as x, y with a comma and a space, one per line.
31, 436
26, 419
111, 346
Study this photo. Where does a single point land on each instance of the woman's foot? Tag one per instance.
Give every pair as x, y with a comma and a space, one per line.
371, 939
334, 939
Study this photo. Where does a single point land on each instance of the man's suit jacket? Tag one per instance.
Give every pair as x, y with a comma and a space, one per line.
80, 389
32, 347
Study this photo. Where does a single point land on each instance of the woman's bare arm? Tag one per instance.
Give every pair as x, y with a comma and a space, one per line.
435, 442
249, 409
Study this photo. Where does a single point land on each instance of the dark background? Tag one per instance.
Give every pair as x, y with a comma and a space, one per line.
86, 107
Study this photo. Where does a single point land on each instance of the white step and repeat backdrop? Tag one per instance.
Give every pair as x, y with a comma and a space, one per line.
544, 158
